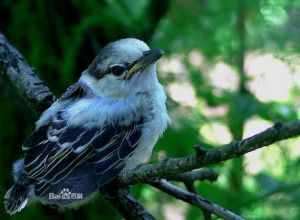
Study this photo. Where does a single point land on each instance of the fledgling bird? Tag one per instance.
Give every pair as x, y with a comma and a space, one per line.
107, 122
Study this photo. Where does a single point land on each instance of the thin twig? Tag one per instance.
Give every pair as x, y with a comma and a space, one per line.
192, 176
189, 178
130, 208
190, 186
194, 199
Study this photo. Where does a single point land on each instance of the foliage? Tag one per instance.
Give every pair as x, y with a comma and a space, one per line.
218, 53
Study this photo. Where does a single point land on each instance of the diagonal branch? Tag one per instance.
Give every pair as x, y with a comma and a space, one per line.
189, 178
29, 86
194, 199
192, 176
130, 208
173, 166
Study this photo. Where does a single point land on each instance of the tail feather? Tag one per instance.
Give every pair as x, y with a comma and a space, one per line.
16, 198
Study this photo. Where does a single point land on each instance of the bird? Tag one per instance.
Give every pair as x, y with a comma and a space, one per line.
105, 123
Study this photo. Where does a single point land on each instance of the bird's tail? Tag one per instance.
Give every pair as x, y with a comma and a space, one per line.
16, 198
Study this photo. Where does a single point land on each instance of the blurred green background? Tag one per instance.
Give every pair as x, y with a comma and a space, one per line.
231, 68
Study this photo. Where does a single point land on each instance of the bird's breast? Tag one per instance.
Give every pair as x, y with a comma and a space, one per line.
155, 123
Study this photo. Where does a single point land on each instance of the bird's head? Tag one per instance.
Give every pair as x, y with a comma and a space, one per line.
122, 68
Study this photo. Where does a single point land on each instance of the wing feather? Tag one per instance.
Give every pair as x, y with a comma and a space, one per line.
56, 150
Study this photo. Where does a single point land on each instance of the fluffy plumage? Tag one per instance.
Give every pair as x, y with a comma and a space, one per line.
102, 125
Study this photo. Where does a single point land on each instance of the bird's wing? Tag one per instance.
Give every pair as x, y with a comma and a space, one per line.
54, 150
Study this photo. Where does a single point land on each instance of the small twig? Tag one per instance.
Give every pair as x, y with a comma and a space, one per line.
130, 208
190, 186
206, 214
127, 205
199, 149
194, 199
191, 176
29, 86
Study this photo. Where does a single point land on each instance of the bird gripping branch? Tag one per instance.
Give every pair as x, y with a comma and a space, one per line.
107, 122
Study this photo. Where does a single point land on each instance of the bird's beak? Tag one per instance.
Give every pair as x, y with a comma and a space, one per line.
149, 57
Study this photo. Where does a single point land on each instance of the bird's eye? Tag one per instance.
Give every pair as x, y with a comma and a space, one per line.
117, 69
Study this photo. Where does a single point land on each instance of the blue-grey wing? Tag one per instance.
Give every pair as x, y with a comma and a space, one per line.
58, 150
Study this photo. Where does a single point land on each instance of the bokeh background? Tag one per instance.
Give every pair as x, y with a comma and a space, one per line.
231, 69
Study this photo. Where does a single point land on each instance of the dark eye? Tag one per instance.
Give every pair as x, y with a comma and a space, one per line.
117, 69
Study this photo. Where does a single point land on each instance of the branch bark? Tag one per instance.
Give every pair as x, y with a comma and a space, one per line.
192, 176
194, 199
130, 208
32, 90
189, 179
173, 166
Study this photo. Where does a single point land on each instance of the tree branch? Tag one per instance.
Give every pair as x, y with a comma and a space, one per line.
194, 199
29, 86
130, 208
173, 166
191, 176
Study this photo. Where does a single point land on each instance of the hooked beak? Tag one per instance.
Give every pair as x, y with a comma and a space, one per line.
149, 57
